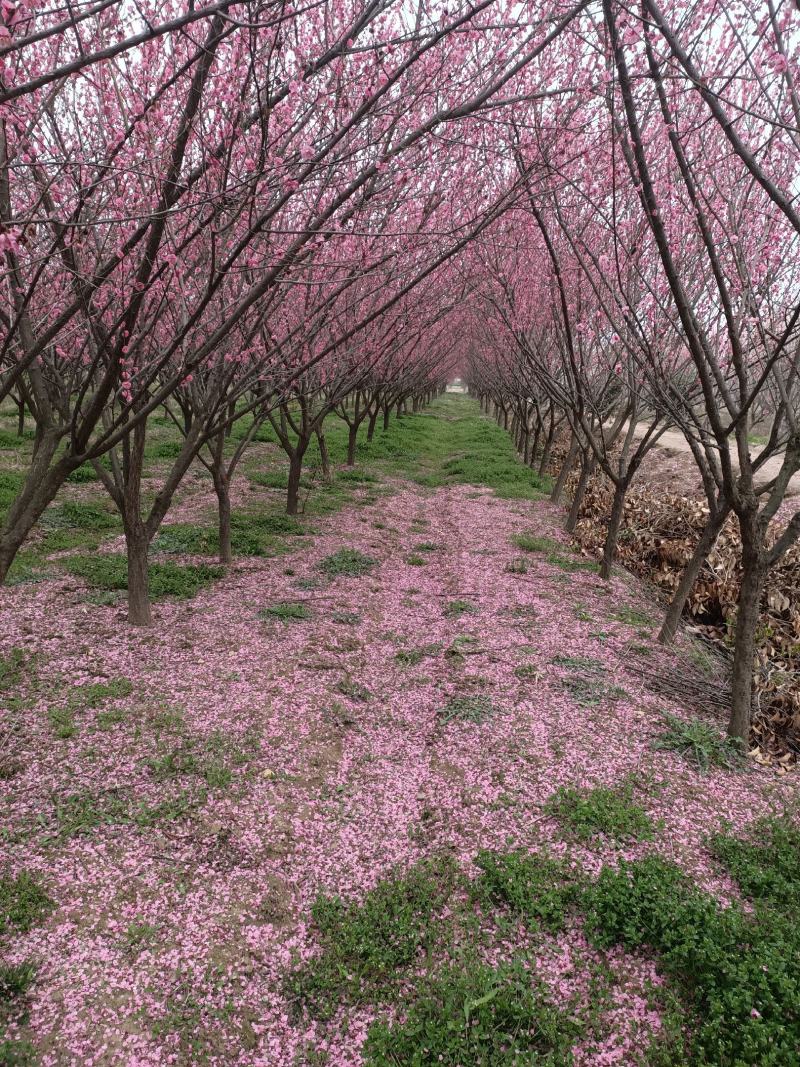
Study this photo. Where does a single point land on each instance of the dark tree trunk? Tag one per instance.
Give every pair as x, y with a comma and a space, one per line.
371, 424
352, 439
612, 532
387, 411
139, 613
20, 417
548, 444
324, 457
40, 488
748, 611
587, 466
293, 487
669, 627
231, 413
223, 491
564, 473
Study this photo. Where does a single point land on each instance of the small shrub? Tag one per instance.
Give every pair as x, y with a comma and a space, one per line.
740, 973
23, 903
347, 562
427, 546
346, 618
699, 743
459, 607
539, 889
766, 863
415, 560
588, 812
478, 1016
286, 612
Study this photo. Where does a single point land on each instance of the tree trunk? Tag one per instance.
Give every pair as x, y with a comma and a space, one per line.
669, 627
293, 487
564, 473
587, 466
40, 488
612, 533
139, 613
748, 611
371, 424
20, 418
223, 491
387, 411
324, 457
548, 444
352, 437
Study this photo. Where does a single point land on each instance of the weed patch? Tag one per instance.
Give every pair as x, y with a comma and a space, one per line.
611, 812
476, 1015
539, 889
457, 608
347, 562
739, 973
365, 945
699, 743
285, 611
23, 903
476, 709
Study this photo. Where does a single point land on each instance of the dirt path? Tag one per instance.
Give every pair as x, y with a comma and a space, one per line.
429, 706
674, 443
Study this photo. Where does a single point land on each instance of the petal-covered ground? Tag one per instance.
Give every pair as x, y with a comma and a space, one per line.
185, 792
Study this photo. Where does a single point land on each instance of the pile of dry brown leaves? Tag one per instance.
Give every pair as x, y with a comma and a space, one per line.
657, 538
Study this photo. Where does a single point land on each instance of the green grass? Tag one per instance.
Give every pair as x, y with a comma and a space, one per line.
354, 691
364, 946
110, 572
81, 813
532, 543
252, 534
476, 1016
23, 903
285, 611
410, 657
455, 608
347, 562
587, 813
